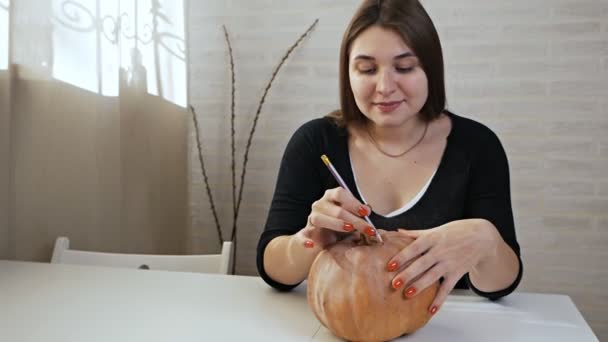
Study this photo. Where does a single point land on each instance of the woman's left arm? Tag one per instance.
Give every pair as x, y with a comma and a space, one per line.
482, 246
451, 251
488, 203
499, 268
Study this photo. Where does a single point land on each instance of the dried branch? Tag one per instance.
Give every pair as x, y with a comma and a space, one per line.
232, 132
236, 203
255, 122
206, 179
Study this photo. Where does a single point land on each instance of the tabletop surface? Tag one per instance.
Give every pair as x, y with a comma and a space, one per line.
50, 302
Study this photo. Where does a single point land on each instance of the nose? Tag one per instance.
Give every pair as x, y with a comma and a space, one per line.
386, 84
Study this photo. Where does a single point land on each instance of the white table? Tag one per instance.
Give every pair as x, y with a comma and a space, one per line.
44, 302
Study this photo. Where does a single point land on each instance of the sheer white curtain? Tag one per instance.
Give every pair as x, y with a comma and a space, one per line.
4, 130
97, 125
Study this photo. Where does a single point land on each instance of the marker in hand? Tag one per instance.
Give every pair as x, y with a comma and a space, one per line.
340, 181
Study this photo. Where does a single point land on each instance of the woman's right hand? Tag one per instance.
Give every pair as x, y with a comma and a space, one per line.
288, 258
337, 212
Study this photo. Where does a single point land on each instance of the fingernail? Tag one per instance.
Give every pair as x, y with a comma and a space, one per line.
433, 310
369, 231
397, 283
309, 244
348, 227
410, 292
392, 266
362, 211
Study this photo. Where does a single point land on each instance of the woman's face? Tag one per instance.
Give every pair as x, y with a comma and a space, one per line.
386, 77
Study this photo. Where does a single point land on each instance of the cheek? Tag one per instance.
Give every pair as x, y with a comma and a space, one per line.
362, 87
416, 85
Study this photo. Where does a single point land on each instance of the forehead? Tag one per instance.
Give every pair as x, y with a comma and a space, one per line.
378, 42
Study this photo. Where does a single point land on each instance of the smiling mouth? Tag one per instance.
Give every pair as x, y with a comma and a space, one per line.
392, 103
388, 107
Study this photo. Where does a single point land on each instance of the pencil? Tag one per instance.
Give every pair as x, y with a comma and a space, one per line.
340, 181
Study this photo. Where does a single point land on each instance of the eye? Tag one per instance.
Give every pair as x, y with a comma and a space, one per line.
404, 70
367, 71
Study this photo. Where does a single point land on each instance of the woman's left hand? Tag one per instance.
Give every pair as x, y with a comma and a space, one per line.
448, 251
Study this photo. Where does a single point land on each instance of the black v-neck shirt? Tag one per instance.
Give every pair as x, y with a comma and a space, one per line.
472, 181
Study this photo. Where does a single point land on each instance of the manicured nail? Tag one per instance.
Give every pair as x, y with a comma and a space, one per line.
363, 211
392, 266
397, 283
369, 231
348, 227
433, 310
410, 292
309, 244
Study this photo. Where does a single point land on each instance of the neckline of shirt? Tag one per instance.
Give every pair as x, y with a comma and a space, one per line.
405, 207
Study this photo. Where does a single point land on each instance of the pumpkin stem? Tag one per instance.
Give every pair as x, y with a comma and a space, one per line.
366, 240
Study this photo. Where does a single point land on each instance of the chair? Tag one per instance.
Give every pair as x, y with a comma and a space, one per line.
202, 263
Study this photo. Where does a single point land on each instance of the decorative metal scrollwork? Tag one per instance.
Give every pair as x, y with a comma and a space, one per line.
79, 18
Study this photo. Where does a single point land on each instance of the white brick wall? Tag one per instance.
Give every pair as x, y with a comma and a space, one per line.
535, 71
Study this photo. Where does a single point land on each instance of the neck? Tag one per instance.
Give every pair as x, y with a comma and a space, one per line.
397, 137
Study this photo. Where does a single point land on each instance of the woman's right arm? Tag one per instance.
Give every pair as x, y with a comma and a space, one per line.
288, 258
303, 217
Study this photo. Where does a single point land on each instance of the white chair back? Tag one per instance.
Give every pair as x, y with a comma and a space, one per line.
201, 263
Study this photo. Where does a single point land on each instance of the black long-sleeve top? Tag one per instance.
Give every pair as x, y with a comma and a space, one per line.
472, 181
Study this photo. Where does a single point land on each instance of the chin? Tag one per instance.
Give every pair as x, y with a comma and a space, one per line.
390, 119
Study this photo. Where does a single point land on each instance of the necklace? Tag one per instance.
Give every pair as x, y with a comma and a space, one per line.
426, 126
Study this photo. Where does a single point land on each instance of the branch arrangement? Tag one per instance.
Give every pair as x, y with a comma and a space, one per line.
236, 202
205, 178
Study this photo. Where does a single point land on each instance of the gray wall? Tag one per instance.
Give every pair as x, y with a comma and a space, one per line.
534, 71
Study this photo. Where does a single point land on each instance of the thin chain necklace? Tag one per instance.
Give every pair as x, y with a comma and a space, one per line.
426, 126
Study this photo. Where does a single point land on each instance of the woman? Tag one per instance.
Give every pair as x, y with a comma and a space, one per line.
412, 165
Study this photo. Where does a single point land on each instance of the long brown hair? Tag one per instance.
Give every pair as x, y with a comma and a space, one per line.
409, 19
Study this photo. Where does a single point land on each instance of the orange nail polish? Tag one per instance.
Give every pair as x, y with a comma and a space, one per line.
309, 244
410, 292
362, 211
348, 227
397, 283
369, 231
392, 266
433, 310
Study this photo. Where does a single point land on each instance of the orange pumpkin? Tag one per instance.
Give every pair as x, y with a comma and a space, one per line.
350, 292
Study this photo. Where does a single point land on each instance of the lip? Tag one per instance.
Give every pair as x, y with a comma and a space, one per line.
387, 107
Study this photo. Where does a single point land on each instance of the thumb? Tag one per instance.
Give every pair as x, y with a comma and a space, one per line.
410, 233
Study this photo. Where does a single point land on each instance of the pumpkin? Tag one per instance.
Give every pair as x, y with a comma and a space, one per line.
349, 290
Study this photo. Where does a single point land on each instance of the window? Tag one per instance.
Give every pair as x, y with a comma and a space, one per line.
95, 42
4, 33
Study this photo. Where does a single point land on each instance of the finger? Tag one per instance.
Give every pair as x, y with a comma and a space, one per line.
306, 239
349, 223
346, 200
412, 272
408, 254
411, 233
321, 220
444, 290
426, 279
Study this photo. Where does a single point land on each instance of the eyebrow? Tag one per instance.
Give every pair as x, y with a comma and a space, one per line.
370, 58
